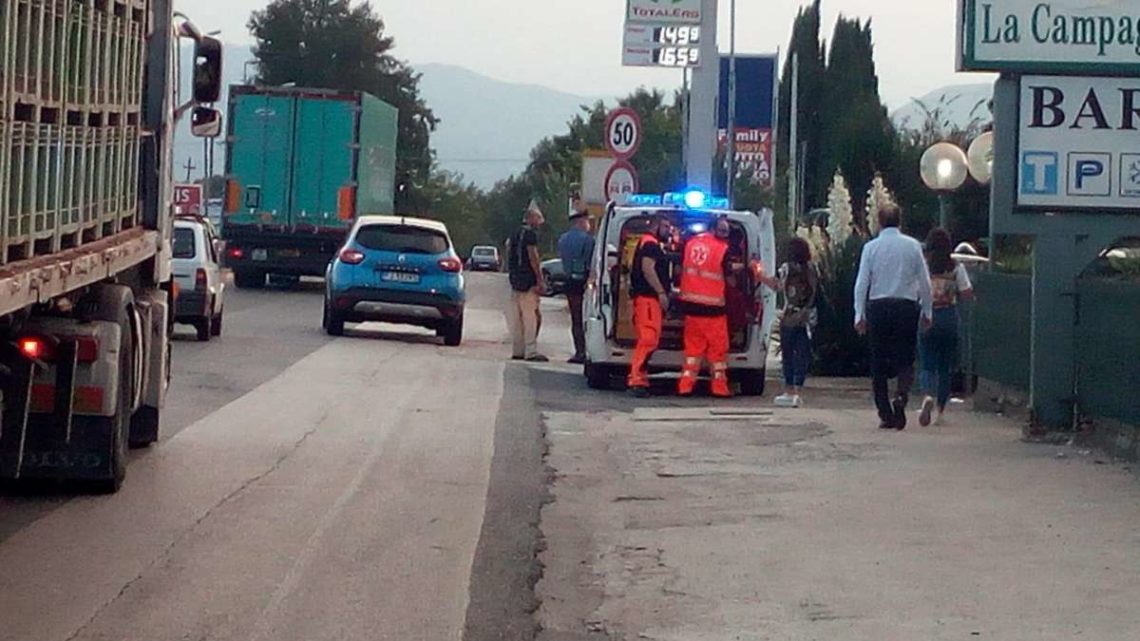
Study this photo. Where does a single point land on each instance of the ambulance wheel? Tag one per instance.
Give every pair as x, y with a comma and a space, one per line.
751, 382
599, 377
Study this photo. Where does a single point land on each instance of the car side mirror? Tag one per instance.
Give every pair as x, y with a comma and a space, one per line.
205, 122
207, 69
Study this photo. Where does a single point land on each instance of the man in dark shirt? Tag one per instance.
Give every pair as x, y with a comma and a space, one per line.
576, 249
525, 273
649, 289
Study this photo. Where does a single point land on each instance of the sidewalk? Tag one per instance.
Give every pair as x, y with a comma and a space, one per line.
681, 525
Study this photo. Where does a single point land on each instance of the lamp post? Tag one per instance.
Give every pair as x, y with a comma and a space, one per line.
944, 168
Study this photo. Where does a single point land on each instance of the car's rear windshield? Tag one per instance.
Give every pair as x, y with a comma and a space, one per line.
184, 243
404, 239
483, 251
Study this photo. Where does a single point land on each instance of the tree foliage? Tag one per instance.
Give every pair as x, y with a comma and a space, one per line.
811, 51
337, 44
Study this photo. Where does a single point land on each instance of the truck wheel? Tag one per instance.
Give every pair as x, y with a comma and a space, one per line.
751, 382
249, 279
113, 303
332, 322
144, 427
452, 332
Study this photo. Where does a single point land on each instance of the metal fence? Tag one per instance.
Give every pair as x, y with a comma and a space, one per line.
999, 328
1108, 352
71, 81
1108, 349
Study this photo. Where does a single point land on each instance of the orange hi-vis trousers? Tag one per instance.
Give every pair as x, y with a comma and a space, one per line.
648, 319
706, 338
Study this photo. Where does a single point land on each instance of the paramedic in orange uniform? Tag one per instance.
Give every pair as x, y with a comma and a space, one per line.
703, 300
649, 289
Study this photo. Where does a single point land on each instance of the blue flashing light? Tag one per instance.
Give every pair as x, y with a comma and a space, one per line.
644, 200
695, 199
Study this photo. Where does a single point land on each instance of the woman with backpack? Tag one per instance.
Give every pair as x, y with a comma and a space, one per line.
939, 345
799, 282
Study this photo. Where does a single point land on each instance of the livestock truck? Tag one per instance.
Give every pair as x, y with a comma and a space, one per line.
301, 165
89, 101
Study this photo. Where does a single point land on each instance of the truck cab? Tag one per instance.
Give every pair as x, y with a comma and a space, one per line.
610, 334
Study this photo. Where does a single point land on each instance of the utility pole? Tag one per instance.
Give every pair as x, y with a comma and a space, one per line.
703, 104
686, 100
731, 183
794, 146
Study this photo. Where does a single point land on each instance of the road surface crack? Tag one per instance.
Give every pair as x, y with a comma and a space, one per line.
163, 557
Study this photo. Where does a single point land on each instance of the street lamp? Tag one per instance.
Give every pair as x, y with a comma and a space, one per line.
944, 168
981, 158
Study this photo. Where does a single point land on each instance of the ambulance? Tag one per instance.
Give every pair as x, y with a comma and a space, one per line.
610, 334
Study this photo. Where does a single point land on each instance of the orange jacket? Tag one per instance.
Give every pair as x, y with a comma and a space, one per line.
703, 281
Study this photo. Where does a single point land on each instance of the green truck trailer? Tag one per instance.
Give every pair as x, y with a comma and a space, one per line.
301, 165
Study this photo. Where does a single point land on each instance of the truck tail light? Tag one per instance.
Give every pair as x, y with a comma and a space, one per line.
233, 197
351, 257
36, 348
451, 265
200, 280
46, 350
346, 203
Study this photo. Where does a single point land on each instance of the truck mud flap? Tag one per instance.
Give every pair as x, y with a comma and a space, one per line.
54, 446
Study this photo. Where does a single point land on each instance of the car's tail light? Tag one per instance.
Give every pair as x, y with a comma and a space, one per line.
452, 265
351, 257
44, 349
237, 253
200, 281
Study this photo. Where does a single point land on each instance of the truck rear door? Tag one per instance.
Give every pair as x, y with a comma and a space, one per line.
261, 157
323, 163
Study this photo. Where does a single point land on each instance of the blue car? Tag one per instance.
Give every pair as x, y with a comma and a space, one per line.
397, 270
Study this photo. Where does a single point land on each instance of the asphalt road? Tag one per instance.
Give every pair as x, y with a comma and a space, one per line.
379, 486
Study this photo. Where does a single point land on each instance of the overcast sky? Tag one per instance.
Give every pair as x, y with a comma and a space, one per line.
575, 45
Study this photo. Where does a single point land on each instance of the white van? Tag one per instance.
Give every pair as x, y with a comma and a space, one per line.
610, 334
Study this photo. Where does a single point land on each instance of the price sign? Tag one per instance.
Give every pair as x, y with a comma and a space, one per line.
621, 181
188, 199
623, 132
669, 46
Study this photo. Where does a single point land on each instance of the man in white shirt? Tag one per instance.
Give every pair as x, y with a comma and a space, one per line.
891, 294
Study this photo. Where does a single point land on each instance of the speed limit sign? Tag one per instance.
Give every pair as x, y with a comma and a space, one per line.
623, 132
621, 181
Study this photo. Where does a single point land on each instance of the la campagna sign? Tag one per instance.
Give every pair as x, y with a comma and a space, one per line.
1050, 36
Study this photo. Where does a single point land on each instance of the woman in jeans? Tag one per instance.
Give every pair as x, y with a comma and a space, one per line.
939, 345
799, 282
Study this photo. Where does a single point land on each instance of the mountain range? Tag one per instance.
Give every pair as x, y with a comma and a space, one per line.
488, 127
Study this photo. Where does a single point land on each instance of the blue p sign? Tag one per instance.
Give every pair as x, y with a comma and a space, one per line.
1089, 174
1088, 169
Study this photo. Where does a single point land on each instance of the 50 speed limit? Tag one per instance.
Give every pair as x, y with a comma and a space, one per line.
623, 132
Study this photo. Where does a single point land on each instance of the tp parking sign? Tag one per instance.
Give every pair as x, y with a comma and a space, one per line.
1079, 143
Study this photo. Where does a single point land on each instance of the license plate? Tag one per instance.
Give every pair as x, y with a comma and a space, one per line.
399, 277
260, 254
289, 253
